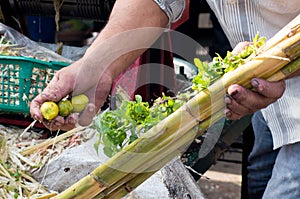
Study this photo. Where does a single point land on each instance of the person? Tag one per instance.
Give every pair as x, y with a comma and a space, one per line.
275, 121
272, 170
93, 72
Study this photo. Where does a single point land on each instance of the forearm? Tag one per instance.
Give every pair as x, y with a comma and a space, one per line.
122, 40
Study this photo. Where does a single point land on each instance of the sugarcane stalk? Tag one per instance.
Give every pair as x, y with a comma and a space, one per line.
263, 65
289, 69
123, 183
141, 152
115, 169
170, 147
180, 141
128, 185
292, 28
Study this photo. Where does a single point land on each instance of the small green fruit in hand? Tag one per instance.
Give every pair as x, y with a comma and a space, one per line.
49, 110
79, 102
65, 107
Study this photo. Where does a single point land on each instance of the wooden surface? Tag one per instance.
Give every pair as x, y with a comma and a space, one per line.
179, 182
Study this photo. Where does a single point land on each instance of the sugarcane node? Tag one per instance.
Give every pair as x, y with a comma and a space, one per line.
128, 188
294, 30
189, 110
99, 180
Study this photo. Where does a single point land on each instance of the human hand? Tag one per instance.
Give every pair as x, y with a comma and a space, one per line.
241, 101
72, 80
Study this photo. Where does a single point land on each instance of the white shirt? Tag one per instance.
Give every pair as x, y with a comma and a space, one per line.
172, 8
241, 20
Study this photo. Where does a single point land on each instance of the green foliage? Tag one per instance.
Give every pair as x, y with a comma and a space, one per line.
117, 128
208, 73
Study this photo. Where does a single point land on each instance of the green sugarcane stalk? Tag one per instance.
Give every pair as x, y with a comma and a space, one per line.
171, 148
125, 185
130, 186
179, 143
286, 71
183, 120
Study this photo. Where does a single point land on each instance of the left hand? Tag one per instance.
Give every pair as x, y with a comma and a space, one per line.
241, 101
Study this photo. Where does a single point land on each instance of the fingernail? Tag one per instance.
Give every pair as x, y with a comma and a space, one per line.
91, 109
44, 95
36, 118
234, 93
254, 83
56, 123
227, 99
71, 120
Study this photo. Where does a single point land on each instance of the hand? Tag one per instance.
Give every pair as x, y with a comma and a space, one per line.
241, 101
72, 80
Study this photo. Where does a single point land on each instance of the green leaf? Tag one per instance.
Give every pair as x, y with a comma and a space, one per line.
138, 98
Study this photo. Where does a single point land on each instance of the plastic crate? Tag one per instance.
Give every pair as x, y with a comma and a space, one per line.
21, 79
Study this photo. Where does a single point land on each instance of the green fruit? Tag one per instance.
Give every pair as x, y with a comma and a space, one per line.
79, 102
65, 107
49, 110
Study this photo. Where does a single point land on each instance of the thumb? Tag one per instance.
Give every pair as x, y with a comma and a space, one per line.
87, 115
268, 89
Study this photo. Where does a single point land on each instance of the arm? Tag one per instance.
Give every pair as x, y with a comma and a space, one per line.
117, 46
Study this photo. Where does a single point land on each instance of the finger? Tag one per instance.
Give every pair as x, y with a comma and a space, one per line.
60, 85
54, 124
35, 105
234, 110
87, 115
229, 114
61, 123
70, 122
247, 98
268, 89
240, 47
54, 91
